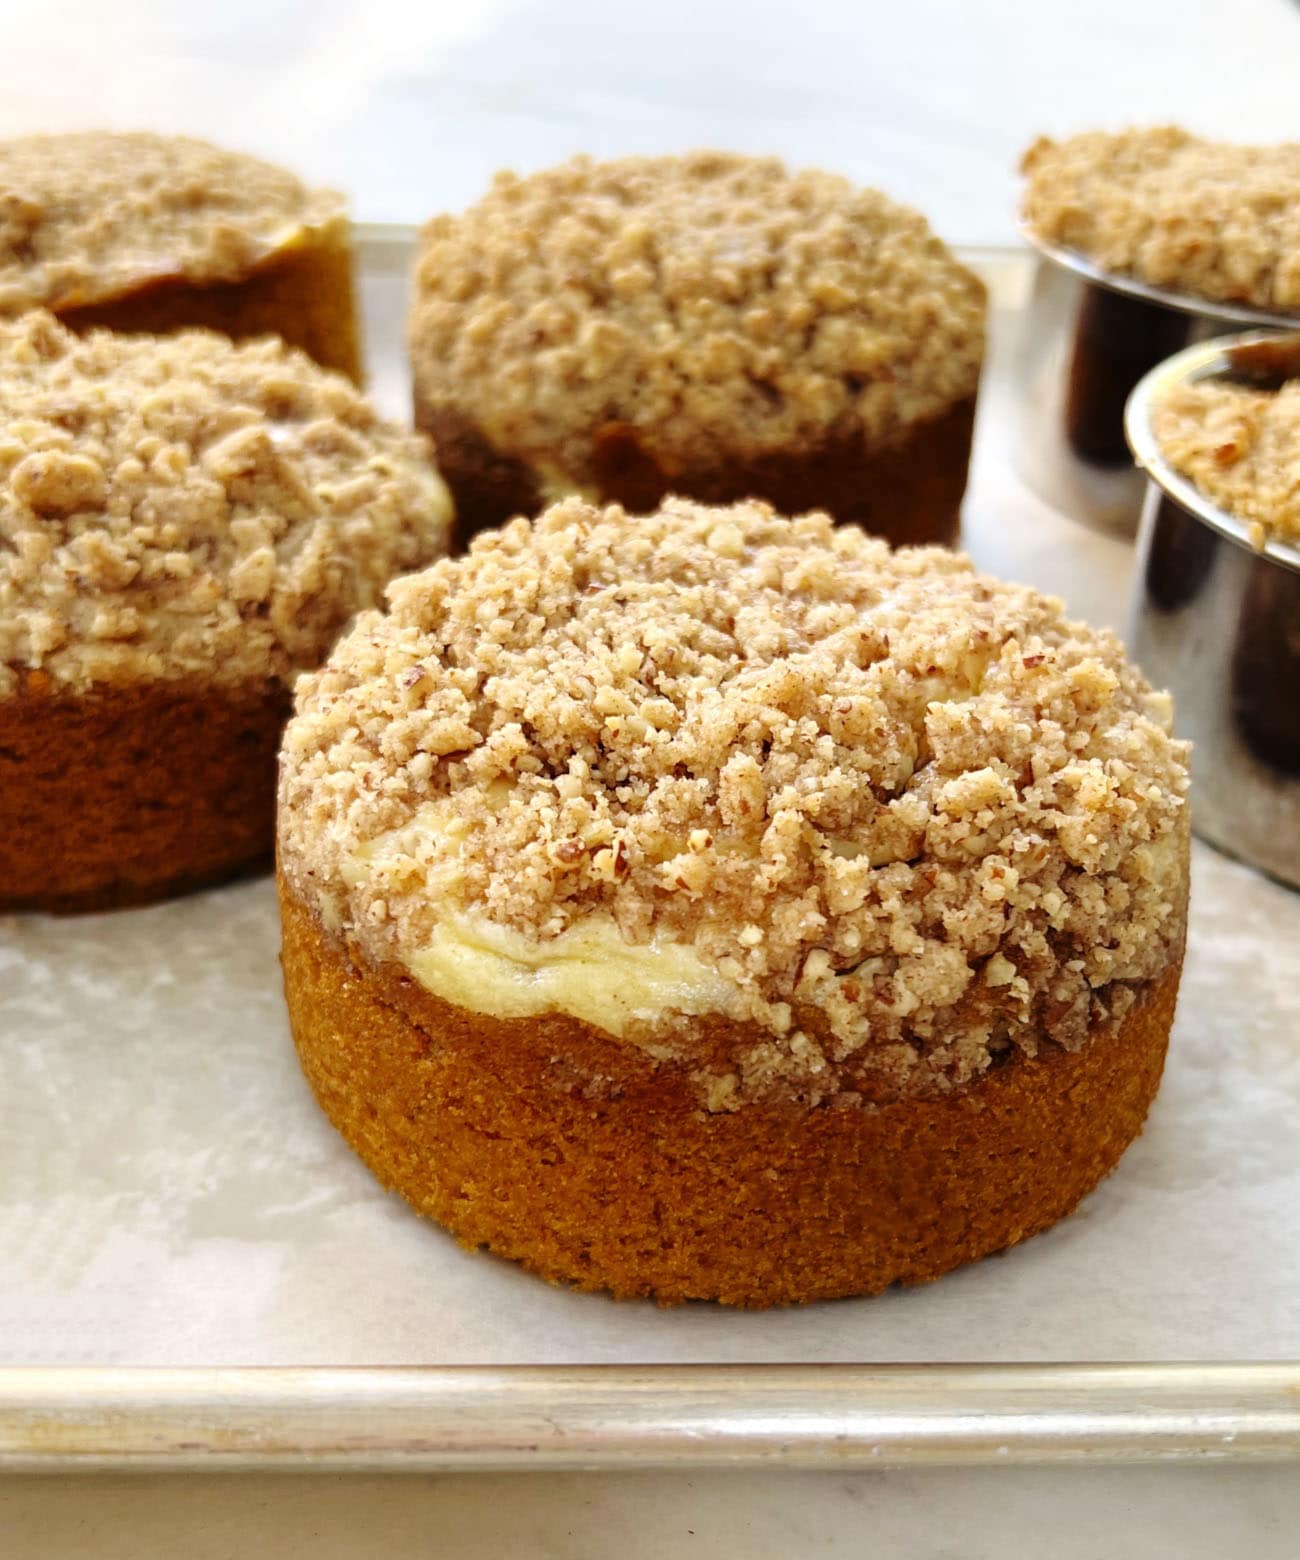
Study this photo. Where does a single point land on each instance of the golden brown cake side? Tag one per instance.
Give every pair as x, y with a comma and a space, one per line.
909, 491
581, 1157
129, 794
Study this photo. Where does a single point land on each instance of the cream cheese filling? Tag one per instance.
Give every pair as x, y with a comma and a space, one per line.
555, 484
589, 971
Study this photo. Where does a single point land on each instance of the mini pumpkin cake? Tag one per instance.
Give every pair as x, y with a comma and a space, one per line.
154, 233
706, 904
185, 524
708, 325
1205, 218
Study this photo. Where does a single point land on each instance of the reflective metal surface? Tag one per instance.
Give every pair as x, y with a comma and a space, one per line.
1088, 338
1218, 624
702, 1416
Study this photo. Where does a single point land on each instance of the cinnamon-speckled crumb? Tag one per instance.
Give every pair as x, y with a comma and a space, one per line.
1203, 217
182, 505
91, 216
914, 815
1241, 447
720, 305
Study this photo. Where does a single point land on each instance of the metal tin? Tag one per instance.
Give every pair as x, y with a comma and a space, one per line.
1218, 623
1088, 337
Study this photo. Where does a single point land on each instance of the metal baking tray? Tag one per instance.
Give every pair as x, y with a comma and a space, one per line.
195, 1271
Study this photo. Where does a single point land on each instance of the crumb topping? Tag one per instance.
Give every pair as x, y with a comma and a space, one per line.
1241, 447
719, 305
914, 816
181, 505
87, 217
1203, 217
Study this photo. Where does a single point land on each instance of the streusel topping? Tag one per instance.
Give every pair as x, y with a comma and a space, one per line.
87, 217
180, 505
1241, 448
913, 817
1203, 217
720, 305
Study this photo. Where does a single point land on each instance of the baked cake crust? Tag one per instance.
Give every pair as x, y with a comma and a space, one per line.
910, 491
590, 1163
303, 293
126, 795
709, 325
155, 233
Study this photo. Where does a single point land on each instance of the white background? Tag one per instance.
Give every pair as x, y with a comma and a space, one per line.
410, 108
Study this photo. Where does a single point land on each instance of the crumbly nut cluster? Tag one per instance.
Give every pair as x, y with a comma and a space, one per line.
1241, 448
88, 217
174, 506
719, 305
915, 816
1203, 217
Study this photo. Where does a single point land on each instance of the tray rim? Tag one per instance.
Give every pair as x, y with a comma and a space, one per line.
62, 1419
391, 245
603, 1417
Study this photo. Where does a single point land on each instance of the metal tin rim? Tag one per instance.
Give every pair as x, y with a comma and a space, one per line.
1131, 286
1208, 360
603, 1416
